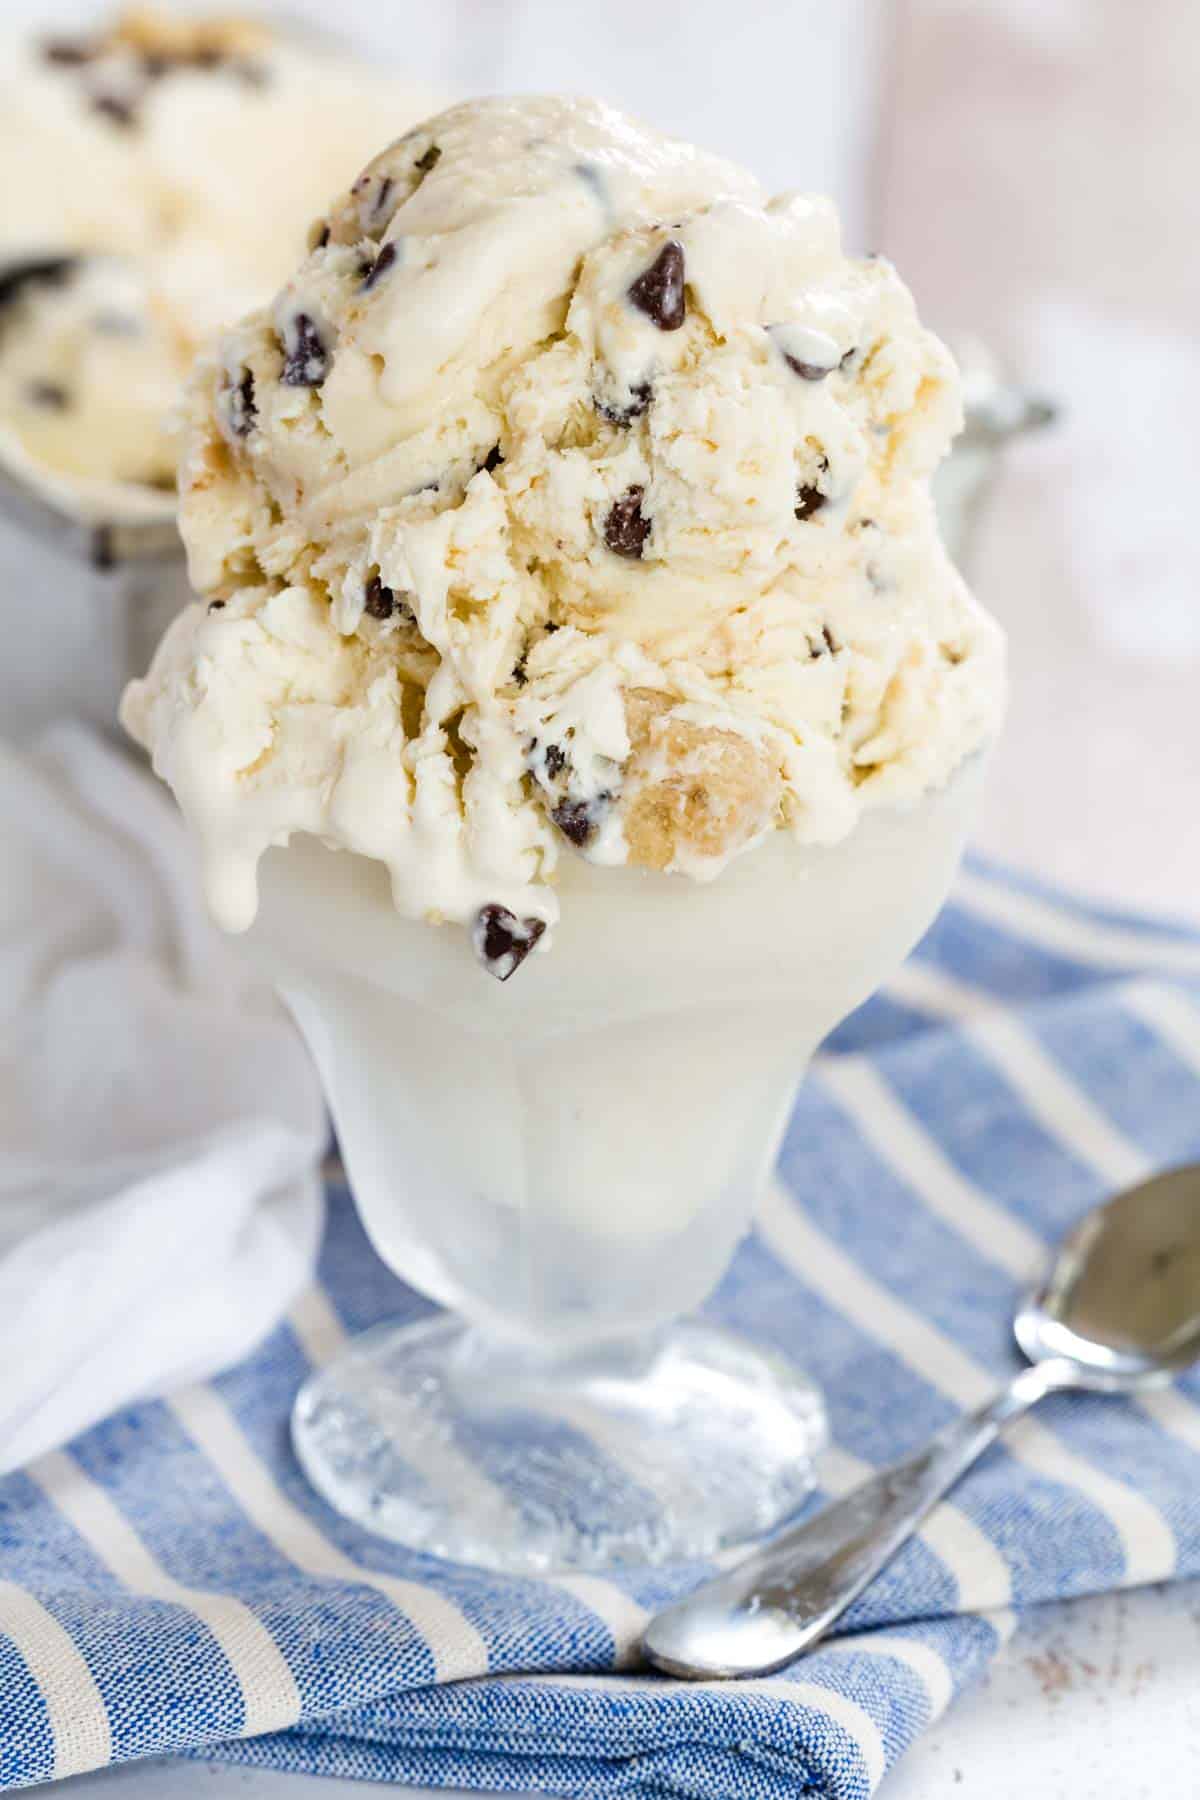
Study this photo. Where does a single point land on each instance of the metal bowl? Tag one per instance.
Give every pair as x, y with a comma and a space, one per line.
85, 602
996, 410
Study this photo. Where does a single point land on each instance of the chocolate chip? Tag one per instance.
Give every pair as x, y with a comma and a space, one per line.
520, 671
429, 160
827, 645
307, 360
492, 460
50, 270
67, 53
550, 627
626, 528
640, 397
102, 552
322, 237
380, 601
808, 371
578, 820
502, 941
809, 500
111, 106
380, 266
216, 606
849, 357
243, 413
555, 760
381, 198
830, 641
49, 394
658, 290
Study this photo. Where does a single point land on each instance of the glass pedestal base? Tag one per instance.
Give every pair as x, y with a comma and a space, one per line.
668, 1450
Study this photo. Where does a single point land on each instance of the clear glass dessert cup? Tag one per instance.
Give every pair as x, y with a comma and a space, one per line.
566, 1162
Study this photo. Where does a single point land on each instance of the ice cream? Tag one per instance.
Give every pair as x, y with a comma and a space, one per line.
178, 163
570, 499
91, 364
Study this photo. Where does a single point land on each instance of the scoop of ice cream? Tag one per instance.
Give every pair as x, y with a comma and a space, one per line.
137, 143
572, 496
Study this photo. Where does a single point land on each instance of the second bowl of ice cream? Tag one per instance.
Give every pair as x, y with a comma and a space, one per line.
159, 174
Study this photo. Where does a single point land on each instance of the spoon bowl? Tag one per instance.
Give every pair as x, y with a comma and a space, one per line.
1122, 1299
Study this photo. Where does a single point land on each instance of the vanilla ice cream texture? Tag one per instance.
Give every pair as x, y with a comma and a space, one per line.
570, 500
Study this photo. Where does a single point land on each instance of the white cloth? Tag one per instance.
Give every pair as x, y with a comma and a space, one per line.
160, 1122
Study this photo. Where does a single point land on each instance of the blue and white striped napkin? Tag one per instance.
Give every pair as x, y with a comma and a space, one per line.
170, 1582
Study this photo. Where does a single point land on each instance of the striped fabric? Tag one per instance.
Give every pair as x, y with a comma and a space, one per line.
170, 1583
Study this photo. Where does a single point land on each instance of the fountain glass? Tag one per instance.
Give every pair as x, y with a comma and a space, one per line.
565, 1163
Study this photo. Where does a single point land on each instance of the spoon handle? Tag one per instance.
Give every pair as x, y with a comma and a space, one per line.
783, 1597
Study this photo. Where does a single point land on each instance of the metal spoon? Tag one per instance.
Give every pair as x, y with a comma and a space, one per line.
1118, 1312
